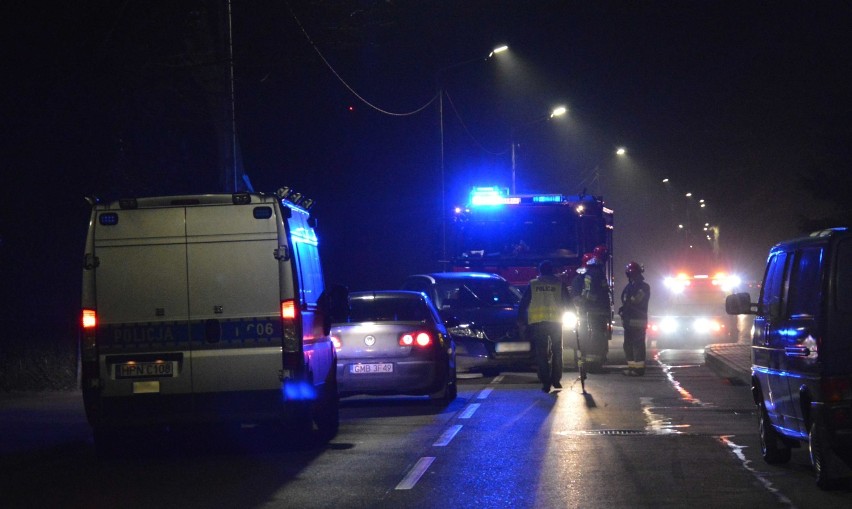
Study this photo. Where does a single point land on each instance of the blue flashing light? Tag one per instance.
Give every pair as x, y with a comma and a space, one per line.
298, 390
547, 198
485, 196
108, 219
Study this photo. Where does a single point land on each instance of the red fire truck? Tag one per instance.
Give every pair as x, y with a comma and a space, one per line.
510, 235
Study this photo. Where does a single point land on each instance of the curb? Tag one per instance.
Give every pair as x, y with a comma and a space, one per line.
730, 361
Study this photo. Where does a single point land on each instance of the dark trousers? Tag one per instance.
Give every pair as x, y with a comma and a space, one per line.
547, 337
634, 347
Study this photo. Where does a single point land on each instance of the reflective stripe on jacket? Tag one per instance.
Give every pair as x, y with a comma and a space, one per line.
546, 300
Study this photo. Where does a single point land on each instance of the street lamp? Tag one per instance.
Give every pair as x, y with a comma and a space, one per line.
440, 82
557, 112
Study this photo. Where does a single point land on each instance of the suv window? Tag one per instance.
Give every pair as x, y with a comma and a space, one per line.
804, 294
770, 296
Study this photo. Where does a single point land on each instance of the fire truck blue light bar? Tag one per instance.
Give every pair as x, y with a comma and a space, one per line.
547, 198
481, 196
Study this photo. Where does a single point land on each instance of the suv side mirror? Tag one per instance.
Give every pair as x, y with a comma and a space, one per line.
738, 304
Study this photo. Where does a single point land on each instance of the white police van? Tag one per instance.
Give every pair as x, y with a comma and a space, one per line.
205, 309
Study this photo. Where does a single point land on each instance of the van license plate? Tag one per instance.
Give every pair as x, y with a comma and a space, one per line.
371, 368
144, 369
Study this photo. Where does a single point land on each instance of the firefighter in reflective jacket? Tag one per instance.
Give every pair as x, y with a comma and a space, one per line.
634, 317
594, 308
540, 315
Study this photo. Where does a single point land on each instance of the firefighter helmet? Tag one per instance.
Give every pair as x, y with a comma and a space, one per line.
585, 260
593, 260
601, 252
633, 269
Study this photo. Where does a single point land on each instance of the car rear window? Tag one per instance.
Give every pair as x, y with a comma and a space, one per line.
388, 310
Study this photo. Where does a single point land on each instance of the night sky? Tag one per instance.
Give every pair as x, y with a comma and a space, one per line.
744, 104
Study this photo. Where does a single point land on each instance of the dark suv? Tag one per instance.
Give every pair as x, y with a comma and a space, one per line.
486, 308
802, 351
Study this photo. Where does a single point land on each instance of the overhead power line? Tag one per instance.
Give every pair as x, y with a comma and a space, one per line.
345, 84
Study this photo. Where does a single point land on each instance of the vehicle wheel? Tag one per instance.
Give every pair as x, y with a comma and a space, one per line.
327, 410
820, 457
772, 447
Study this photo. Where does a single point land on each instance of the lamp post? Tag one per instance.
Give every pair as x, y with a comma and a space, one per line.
440, 83
557, 112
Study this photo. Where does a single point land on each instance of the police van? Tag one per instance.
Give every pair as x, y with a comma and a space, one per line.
205, 309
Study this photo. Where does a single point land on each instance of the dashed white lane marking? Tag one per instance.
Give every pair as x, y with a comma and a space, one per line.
497, 379
415, 473
447, 436
738, 452
484, 393
468, 412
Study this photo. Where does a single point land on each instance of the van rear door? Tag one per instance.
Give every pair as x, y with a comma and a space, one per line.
143, 339
234, 296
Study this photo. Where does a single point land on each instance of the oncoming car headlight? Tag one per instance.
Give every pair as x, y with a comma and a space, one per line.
669, 325
706, 326
569, 320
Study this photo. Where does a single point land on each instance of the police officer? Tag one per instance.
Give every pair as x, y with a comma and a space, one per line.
540, 313
634, 317
594, 307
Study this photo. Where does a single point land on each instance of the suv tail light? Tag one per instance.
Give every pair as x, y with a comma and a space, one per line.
417, 338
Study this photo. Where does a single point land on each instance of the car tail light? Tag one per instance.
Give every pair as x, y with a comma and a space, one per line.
336, 342
418, 338
836, 390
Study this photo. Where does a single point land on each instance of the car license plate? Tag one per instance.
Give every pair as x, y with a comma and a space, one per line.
144, 369
361, 369
512, 346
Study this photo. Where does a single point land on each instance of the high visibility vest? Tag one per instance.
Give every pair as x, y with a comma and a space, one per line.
545, 301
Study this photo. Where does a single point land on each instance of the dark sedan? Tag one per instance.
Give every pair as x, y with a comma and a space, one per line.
486, 309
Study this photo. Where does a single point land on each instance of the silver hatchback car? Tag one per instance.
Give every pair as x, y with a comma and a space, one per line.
394, 342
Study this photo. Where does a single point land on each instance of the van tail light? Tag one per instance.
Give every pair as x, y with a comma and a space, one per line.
89, 348
418, 338
288, 309
90, 319
291, 334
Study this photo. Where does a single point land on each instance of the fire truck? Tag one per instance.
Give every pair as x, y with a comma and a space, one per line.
510, 234
688, 310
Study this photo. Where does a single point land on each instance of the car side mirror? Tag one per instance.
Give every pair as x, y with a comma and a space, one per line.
738, 304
